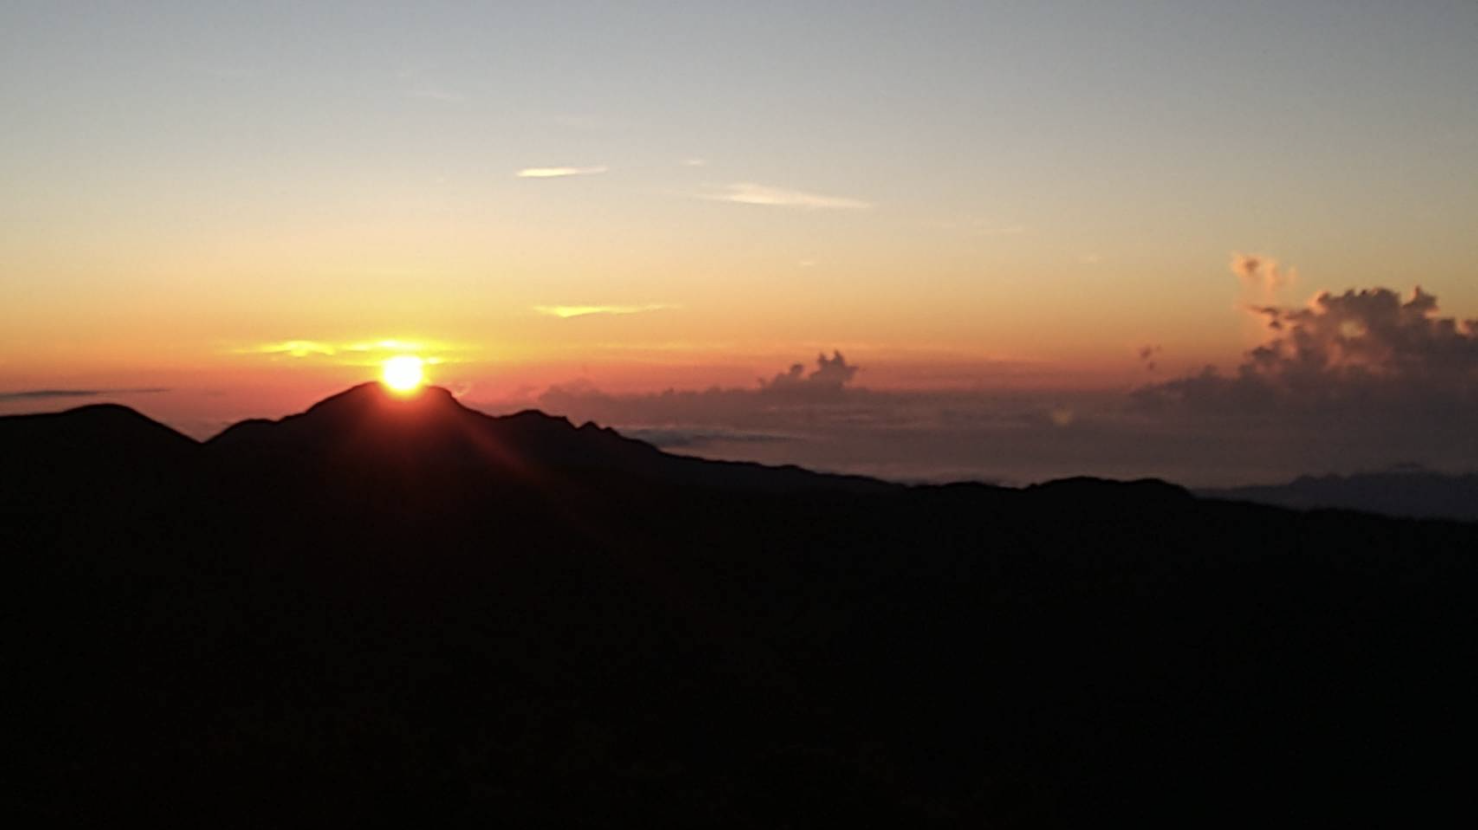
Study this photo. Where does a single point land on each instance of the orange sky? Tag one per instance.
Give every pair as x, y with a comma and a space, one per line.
962, 196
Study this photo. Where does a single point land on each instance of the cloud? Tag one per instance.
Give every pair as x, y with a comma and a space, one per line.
694, 162
45, 394
353, 352
559, 172
1410, 394
292, 348
1147, 357
674, 438
567, 311
1366, 355
987, 227
998, 230
445, 96
1262, 273
829, 377
751, 409
748, 193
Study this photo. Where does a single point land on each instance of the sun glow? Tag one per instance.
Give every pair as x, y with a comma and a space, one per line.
403, 373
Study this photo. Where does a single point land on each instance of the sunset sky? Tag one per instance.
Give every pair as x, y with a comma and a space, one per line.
1058, 211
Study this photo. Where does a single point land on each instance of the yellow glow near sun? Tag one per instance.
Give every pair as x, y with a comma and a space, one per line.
403, 373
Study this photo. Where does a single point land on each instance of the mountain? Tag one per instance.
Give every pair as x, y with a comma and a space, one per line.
400, 610
1408, 493
371, 426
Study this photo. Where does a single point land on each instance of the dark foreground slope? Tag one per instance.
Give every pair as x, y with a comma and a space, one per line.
370, 614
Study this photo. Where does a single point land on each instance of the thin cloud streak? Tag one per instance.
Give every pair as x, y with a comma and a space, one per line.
445, 96
559, 172
354, 351
568, 311
45, 394
749, 193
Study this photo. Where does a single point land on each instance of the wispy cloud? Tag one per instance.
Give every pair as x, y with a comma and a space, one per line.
291, 348
352, 351
445, 96
567, 311
999, 230
694, 162
986, 227
44, 394
559, 172
749, 193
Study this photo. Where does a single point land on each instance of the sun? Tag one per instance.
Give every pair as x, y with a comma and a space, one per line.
403, 373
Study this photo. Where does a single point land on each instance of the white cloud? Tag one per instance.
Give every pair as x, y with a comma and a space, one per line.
749, 193
559, 172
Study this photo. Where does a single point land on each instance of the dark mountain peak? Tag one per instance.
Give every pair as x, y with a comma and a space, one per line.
95, 445
375, 397
1110, 494
93, 424
540, 417
369, 409
368, 427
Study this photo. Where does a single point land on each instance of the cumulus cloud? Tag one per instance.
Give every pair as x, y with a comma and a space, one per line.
567, 311
1366, 352
559, 172
749, 193
830, 376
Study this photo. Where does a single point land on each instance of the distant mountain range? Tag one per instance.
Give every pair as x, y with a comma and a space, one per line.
1407, 493
396, 609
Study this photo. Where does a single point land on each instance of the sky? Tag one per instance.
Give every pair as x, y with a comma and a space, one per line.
1061, 212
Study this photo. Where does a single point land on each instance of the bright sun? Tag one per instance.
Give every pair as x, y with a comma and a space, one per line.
403, 373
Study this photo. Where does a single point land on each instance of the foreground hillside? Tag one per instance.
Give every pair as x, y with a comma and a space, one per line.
403, 610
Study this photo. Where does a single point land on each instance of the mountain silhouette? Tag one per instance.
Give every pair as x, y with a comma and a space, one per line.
399, 609
370, 426
1412, 493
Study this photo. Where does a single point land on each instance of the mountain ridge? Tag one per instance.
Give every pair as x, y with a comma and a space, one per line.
369, 629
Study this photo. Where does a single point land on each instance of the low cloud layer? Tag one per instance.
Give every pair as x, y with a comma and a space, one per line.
764, 408
1355, 381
